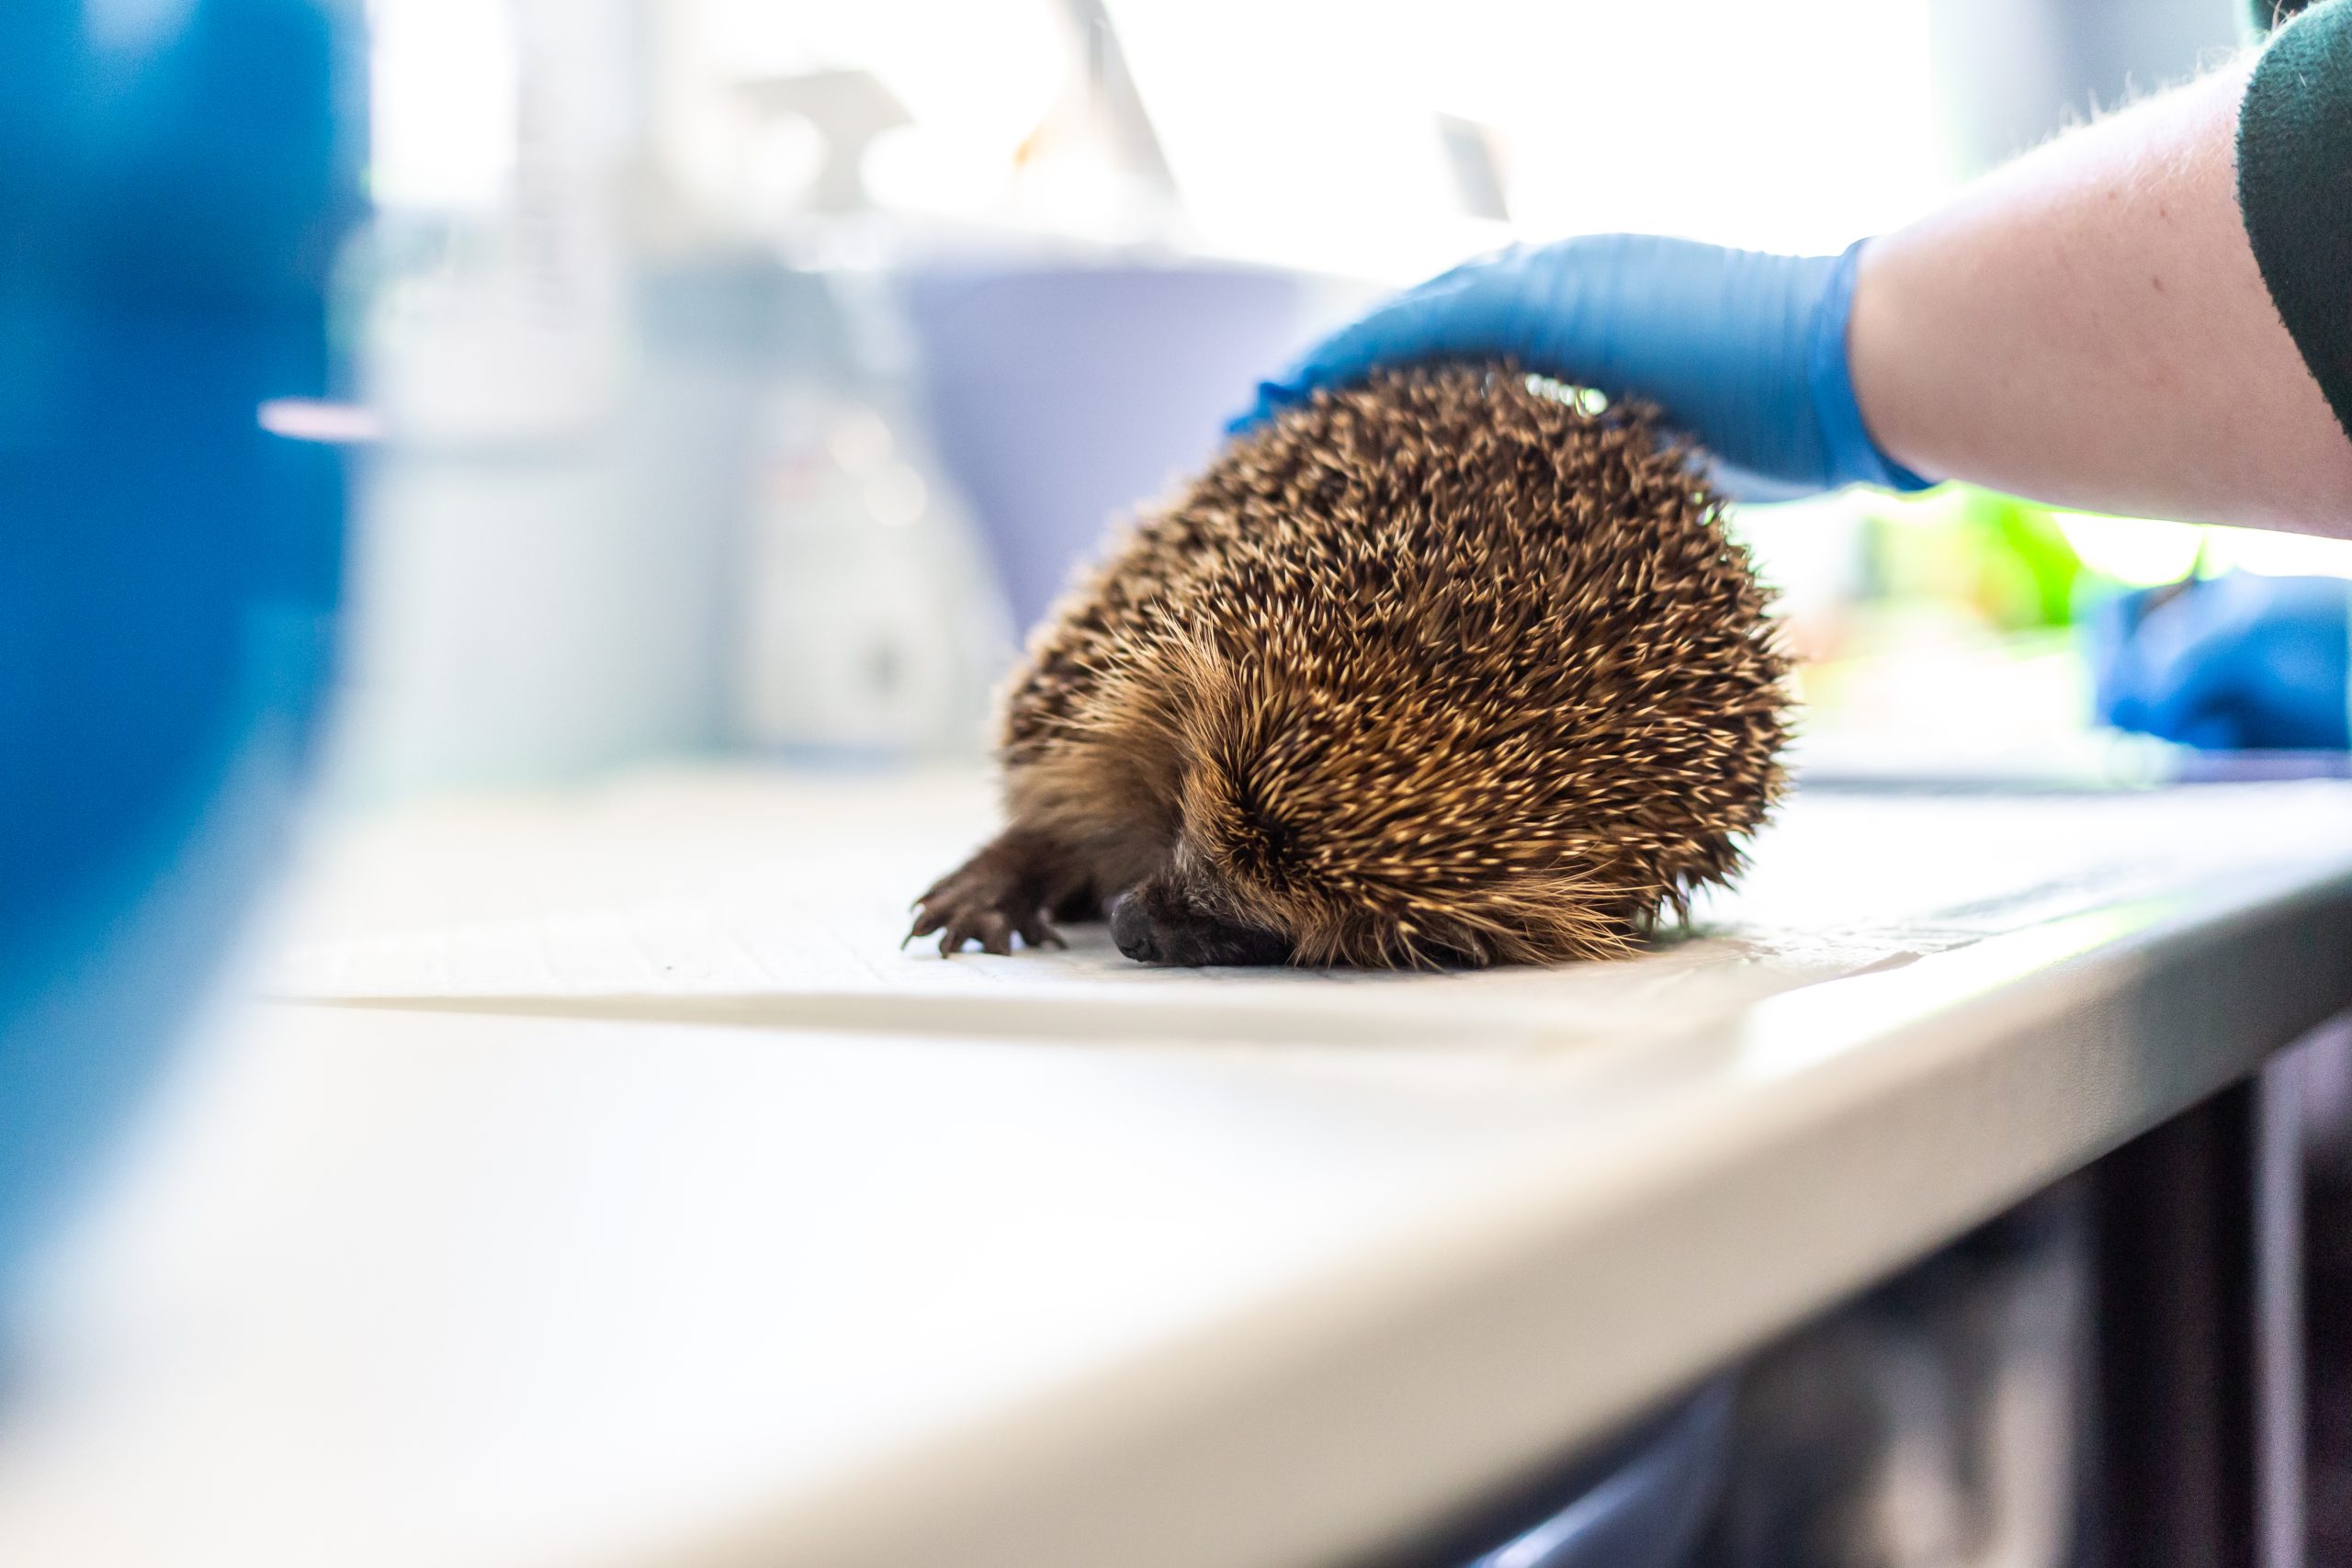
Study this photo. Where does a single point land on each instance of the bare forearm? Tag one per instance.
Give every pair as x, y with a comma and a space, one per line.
2089, 327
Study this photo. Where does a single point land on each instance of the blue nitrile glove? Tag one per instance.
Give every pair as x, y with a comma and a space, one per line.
2232, 663
1744, 350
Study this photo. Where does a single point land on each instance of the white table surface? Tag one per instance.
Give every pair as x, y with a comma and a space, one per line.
593, 1181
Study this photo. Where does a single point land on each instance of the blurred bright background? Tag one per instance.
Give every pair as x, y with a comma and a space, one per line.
749, 375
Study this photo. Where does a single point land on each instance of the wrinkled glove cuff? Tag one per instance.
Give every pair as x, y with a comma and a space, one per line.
1852, 456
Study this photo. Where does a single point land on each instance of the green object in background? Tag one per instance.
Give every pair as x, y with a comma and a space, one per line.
2030, 573
2007, 560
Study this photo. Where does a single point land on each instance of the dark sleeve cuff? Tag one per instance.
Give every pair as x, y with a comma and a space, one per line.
2295, 190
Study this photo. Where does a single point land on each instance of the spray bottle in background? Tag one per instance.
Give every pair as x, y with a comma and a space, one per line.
872, 625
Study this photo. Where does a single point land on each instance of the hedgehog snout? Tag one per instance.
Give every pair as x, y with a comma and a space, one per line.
1156, 923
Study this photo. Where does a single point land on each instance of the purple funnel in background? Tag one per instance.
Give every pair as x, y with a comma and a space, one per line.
1063, 397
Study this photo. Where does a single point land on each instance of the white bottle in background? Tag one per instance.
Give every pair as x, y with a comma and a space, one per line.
873, 628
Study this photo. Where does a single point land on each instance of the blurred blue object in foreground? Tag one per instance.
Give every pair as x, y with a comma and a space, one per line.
2231, 663
173, 183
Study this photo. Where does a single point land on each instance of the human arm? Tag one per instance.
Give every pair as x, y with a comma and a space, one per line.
2088, 326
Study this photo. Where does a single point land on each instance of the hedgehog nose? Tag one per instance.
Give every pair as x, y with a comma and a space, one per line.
1132, 929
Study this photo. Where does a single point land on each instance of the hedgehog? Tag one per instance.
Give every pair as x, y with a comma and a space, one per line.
1455, 666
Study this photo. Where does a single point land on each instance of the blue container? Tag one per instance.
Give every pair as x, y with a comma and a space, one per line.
1065, 397
175, 182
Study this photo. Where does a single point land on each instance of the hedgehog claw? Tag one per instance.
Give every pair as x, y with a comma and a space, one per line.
961, 922
1012, 889
1036, 931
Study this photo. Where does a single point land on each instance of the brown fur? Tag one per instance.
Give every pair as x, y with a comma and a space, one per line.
1441, 668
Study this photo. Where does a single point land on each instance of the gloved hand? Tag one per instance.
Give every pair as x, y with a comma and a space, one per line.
2229, 664
1744, 350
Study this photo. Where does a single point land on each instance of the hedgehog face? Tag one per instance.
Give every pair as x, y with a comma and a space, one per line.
1336, 830
1246, 881
1163, 922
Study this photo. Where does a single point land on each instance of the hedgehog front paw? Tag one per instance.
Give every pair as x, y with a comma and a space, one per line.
997, 895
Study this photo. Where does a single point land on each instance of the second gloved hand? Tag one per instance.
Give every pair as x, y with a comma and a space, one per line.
1745, 350
2228, 663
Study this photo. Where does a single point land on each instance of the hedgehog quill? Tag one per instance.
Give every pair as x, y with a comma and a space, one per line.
1449, 668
